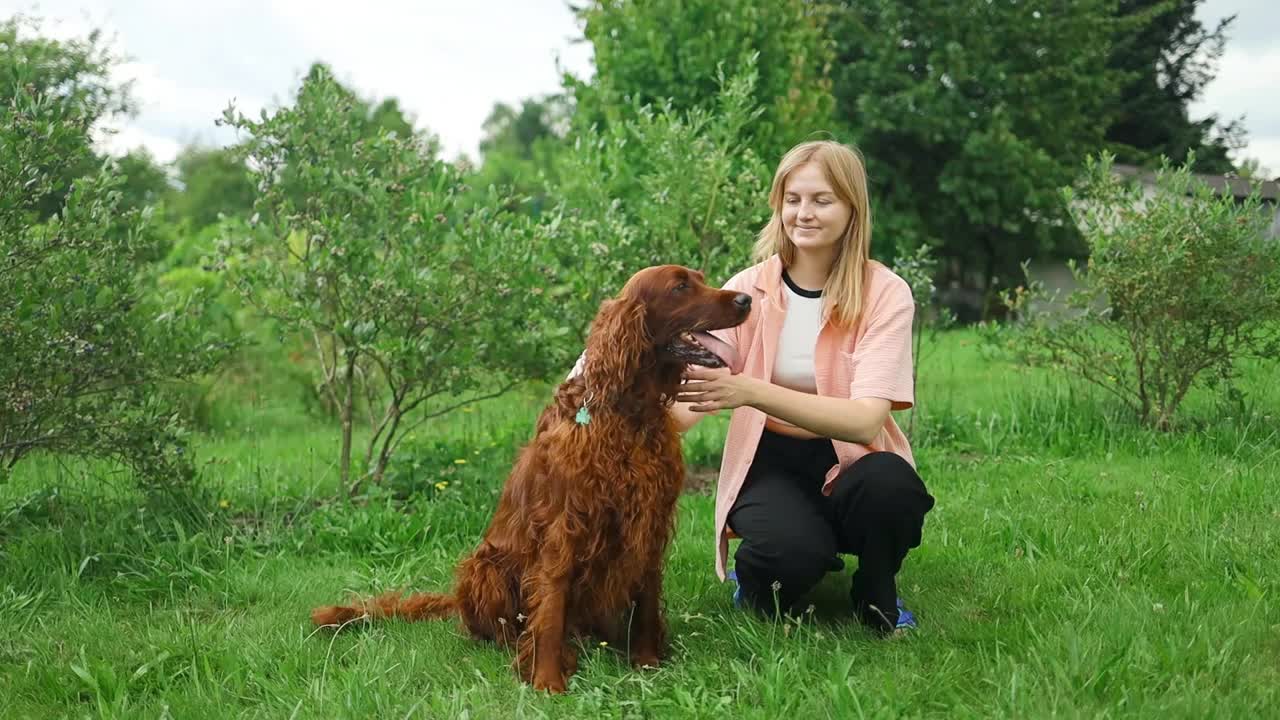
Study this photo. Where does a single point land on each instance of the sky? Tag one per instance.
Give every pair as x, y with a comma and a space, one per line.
449, 62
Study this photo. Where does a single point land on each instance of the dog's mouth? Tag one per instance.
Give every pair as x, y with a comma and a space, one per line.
705, 349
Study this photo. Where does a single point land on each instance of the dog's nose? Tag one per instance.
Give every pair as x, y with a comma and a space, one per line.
743, 301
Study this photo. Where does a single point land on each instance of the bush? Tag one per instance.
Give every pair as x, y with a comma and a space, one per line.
412, 306
1180, 285
664, 187
90, 344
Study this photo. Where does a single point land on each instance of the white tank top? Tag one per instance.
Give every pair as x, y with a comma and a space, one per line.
793, 366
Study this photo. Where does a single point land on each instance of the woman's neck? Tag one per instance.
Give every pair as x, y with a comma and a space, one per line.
810, 269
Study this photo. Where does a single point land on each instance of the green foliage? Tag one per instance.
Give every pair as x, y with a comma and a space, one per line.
72, 74
662, 187
90, 343
519, 148
145, 183
972, 115
1181, 285
214, 183
662, 52
414, 305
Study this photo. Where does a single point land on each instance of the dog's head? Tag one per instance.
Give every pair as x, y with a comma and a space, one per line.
662, 317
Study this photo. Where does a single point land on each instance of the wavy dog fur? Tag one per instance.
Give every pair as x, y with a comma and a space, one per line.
576, 544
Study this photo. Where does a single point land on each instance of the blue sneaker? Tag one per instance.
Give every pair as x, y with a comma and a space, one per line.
737, 589
906, 618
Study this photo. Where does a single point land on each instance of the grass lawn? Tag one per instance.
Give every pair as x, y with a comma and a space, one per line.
1074, 566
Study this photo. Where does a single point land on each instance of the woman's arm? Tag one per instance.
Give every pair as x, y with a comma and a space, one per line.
856, 421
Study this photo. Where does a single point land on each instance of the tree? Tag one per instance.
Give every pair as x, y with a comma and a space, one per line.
74, 74
90, 345
519, 146
361, 248
214, 182
972, 115
144, 183
664, 186
659, 51
1167, 57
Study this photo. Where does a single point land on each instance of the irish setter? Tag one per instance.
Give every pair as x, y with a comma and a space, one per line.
576, 545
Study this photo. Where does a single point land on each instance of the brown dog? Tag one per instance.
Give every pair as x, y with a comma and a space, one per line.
577, 543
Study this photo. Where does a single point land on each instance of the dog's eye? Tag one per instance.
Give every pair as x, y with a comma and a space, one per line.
681, 287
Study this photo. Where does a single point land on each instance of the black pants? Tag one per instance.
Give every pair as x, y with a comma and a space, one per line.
792, 534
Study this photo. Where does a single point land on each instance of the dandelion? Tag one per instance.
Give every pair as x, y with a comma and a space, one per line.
776, 586
502, 621
460, 461
521, 617
224, 504
604, 643
468, 409
442, 484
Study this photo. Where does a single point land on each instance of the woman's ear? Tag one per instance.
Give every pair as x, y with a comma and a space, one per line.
615, 348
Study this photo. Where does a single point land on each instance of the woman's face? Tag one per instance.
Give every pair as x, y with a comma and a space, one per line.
813, 216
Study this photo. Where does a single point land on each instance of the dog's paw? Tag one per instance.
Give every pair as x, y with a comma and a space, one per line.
643, 661
554, 683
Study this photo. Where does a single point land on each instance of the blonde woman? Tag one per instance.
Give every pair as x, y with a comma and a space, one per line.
814, 464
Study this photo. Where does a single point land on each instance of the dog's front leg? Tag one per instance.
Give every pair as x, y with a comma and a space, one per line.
649, 628
545, 659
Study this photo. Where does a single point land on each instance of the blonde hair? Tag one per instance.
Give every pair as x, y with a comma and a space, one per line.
844, 170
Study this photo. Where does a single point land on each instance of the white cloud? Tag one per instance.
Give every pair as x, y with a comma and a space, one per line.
1246, 86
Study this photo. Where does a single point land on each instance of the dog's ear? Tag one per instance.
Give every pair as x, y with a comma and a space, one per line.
615, 348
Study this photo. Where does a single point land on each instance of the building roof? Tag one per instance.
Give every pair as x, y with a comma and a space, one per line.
1239, 187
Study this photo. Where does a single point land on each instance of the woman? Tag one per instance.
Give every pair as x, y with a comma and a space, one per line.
814, 464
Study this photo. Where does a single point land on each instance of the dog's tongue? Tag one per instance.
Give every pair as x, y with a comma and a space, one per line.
722, 349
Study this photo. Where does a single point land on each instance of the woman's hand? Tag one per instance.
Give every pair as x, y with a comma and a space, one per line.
711, 389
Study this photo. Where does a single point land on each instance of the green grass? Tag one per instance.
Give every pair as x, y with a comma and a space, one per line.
1075, 566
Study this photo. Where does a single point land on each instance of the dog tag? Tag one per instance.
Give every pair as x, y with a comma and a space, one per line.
583, 417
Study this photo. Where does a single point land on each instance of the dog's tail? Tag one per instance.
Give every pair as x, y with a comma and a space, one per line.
417, 606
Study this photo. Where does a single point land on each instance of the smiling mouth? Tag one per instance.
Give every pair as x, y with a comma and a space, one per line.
705, 349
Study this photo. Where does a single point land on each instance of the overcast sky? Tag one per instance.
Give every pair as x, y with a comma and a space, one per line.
449, 62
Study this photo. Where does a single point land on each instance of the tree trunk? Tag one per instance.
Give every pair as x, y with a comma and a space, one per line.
348, 411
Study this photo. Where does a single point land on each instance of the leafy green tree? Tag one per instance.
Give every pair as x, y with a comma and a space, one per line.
659, 51
214, 182
74, 73
519, 146
1167, 57
664, 186
90, 346
144, 182
972, 115
413, 308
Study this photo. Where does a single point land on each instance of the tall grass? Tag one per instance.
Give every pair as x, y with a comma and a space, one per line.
1075, 565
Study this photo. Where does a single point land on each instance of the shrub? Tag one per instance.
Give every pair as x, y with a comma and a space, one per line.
90, 344
1181, 284
413, 307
